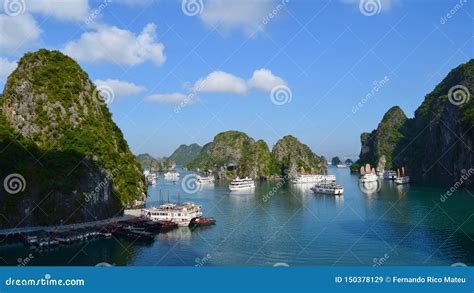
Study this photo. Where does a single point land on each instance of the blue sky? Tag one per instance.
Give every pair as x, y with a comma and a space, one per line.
323, 57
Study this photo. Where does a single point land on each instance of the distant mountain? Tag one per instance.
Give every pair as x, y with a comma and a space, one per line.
348, 162
436, 145
335, 161
159, 165
59, 143
185, 154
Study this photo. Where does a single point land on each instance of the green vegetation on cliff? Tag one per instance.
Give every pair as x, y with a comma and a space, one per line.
291, 155
60, 136
185, 154
253, 158
378, 146
235, 148
435, 145
160, 165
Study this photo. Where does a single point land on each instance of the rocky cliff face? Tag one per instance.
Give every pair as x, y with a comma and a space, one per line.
291, 156
235, 153
437, 144
148, 162
58, 135
235, 150
379, 146
185, 154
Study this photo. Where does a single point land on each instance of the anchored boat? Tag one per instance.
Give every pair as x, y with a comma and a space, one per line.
205, 179
171, 175
199, 222
313, 178
390, 175
328, 188
367, 174
401, 177
181, 214
242, 184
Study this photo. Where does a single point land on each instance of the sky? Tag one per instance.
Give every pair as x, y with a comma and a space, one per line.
179, 72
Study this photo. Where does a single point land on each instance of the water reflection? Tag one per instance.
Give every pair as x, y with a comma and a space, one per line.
281, 222
179, 234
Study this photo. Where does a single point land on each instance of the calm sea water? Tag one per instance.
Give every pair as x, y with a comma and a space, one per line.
397, 225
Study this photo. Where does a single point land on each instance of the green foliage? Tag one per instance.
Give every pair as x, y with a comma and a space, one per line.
74, 132
253, 158
428, 144
336, 161
185, 154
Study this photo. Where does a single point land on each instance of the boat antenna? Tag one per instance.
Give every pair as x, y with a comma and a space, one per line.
168, 196
179, 200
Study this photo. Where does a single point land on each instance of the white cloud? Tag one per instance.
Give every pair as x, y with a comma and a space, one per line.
174, 98
63, 10
18, 32
381, 5
121, 88
264, 80
6, 67
111, 44
221, 82
229, 15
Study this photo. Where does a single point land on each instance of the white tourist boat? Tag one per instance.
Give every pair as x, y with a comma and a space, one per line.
401, 177
171, 175
328, 188
181, 214
151, 178
341, 165
242, 184
368, 177
309, 178
389, 175
402, 180
205, 179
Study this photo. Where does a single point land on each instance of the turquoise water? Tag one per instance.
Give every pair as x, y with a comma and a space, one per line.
398, 225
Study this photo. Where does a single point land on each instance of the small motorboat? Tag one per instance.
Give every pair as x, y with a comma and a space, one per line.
200, 221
